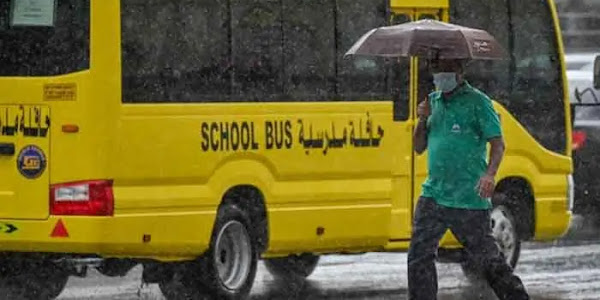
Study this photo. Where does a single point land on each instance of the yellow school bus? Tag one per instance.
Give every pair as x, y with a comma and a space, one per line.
198, 137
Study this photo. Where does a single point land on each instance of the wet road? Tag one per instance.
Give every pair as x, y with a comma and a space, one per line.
567, 271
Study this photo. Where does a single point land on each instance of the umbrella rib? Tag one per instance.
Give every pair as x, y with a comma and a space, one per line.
410, 41
467, 41
360, 42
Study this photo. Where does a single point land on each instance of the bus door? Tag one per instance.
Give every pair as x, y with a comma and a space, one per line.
411, 87
403, 126
423, 86
24, 156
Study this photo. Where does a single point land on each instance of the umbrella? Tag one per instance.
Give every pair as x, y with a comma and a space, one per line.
430, 39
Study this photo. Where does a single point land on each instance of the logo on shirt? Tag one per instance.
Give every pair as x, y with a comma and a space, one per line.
455, 128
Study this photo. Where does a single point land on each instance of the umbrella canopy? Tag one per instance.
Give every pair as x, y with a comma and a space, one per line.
430, 39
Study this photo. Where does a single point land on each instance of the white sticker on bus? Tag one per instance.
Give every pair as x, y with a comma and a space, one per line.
32, 12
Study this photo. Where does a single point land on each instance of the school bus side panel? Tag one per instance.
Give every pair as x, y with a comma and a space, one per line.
183, 158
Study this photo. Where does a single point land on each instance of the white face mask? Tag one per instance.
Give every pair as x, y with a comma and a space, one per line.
445, 81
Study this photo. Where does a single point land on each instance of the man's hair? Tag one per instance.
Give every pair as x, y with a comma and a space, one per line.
460, 64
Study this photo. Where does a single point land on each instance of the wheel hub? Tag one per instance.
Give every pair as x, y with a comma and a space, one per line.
233, 255
504, 233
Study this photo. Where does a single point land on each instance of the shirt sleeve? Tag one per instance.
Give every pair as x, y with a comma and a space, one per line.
432, 98
488, 119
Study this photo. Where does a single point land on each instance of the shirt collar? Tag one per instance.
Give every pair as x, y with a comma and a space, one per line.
463, 88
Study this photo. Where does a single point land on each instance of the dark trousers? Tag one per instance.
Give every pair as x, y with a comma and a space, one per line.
473, 230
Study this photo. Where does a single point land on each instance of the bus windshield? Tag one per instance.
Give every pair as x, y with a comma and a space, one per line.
530, 84
44, 38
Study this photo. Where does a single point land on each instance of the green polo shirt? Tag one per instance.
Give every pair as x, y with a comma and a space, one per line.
458, 130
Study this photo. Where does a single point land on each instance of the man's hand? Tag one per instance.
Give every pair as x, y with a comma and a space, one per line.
485, 186
420, 135
423, 110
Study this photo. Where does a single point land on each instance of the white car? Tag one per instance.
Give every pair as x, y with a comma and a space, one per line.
586, 133
580, 75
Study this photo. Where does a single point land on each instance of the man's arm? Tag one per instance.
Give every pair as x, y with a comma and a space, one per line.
487, 182
489, 122
420, 136
496, 155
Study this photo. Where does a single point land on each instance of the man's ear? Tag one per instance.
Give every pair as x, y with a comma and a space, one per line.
459, 76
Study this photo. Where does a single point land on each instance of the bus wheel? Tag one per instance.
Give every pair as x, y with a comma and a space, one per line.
227, 269
43, 283
293, 267
504, 230
112, 267
178, 287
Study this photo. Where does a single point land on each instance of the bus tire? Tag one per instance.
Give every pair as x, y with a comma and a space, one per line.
293, 267
504, 230
112, 267
227, 270
177, 288
41, 283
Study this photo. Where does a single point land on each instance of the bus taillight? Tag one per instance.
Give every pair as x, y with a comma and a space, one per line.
84, 198
579, 138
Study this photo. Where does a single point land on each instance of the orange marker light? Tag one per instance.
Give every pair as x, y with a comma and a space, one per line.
70, 128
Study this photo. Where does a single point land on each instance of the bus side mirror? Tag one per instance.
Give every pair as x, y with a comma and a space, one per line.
597, 72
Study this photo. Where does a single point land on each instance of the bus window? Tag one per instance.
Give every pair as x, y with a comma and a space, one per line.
159, 60
490, 76
537, 88
360, 78
309, 50
399, 77
62, 47
271, 50
257, 53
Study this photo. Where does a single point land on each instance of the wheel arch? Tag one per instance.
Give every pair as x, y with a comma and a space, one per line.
517, 193
250, 200
244, 182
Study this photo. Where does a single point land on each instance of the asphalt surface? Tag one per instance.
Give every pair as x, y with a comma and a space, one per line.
565, 269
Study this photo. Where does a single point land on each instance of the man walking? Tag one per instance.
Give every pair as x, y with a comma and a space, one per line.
455, 124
